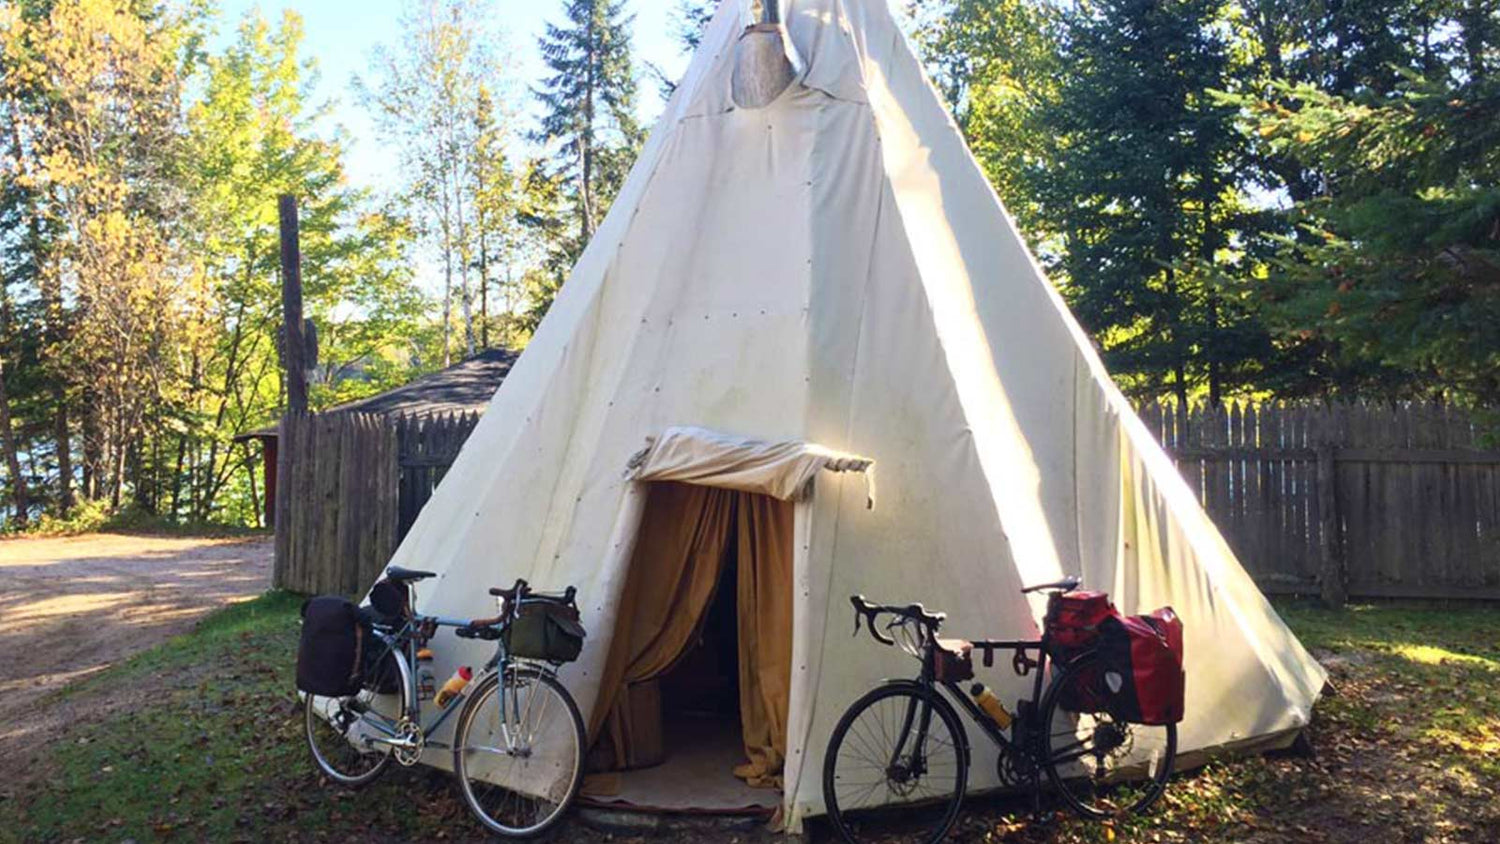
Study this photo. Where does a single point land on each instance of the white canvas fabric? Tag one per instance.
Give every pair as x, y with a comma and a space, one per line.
783, 470
835, 269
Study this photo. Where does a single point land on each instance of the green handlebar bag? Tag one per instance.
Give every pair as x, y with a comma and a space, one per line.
545, 631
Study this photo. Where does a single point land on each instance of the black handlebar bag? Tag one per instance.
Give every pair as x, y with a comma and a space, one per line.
1141, 660
330, 654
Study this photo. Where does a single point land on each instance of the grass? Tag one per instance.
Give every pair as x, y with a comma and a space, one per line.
97, 516
1408, 748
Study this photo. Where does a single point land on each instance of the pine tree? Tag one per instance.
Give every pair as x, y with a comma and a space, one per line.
589, 102
1391, 264
689, 20
495, 224
996, 62
1142, 191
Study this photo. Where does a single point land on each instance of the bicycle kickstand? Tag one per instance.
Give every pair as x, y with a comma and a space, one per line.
1036, 798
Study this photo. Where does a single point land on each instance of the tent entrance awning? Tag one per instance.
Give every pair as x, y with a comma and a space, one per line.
781, 469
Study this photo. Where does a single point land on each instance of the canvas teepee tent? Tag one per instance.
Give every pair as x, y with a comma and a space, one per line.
812, 285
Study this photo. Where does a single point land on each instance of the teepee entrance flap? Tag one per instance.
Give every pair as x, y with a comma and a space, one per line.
783, 470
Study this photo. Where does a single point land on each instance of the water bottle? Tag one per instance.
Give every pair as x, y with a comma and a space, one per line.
991, 705
455, 684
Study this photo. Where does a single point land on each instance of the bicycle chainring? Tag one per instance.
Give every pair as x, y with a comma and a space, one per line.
1015, 770
409, 752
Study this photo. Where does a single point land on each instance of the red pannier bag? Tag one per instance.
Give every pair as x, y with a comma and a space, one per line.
1071, 627
1141, 656
1072, 622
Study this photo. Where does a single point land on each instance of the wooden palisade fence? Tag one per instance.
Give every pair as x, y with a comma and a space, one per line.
350, 486
425, 447
1366, 501
1340, 500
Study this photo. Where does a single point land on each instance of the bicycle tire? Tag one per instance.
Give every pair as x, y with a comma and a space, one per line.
461, 742
315, 720
1157, 743
864, 740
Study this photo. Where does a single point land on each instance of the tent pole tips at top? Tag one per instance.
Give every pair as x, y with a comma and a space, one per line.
762, 69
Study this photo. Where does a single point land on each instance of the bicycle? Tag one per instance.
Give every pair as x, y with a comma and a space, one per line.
902, 746
518, 770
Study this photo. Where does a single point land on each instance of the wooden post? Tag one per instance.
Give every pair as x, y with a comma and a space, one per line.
268, 451
292, 349
1330, 545
278, 501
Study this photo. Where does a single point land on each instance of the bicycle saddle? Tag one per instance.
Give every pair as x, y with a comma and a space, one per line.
401, 575
1067, 584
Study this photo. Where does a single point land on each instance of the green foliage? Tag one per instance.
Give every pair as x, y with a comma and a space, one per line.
1397, 258
1141, 189
998, 65
435, 94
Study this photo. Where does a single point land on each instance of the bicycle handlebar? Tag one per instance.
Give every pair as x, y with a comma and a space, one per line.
515, 596
930, 621
522, 590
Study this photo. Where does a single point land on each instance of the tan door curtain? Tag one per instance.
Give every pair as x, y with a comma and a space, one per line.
684, 537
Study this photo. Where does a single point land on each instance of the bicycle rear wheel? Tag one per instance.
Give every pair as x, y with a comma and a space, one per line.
518, 755
1101, 766
898, 758
339, 732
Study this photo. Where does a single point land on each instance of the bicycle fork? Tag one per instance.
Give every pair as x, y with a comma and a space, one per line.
918, 763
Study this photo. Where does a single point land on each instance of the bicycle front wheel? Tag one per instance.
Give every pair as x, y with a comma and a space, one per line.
518, 752
1102, 767
899, 760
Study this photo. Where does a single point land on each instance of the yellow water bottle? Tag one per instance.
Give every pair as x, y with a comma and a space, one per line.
991, 705
455, 684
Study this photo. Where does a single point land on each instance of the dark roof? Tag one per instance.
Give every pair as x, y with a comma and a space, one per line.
461, 388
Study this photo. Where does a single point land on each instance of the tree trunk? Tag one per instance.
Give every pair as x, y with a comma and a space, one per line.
12, 459
93, 457
447, 286
466, 290
177, 476
52, 340
18, 488
586, 139
484, 284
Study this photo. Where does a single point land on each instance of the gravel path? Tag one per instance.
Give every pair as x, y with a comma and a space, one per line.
71, 606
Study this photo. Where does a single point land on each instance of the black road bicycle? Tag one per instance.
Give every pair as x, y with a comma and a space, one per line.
518, 744
899, 756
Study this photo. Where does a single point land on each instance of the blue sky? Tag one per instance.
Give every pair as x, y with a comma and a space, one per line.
341, 33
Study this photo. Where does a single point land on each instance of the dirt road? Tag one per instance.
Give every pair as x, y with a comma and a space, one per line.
71, 606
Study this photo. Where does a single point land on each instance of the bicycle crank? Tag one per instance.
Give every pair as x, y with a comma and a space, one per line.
407, 743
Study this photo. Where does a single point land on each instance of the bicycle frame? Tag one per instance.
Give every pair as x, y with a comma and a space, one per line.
402, 645
966, 703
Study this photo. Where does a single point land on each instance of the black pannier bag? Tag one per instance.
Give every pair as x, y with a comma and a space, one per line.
1141, 660
547, 631
330, 655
